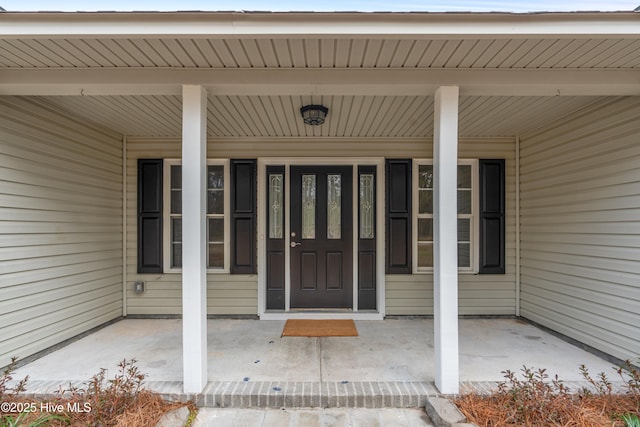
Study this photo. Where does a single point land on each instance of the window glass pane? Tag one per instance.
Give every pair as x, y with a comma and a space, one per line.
464, 201
334, 206
275, 206
176, 230
176, 201
216, 230
308, 206
215, 189
425, 201
464, 255
366, 206
425, 176
464, 230
425, 229
215, 177
176, 242
176, 255
176, 176
425, 255
216, 255
464, 176
215, 201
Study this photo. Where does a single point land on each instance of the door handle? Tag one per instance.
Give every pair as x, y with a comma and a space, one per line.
294, 244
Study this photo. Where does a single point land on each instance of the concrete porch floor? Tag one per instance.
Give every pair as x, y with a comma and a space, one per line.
249, 361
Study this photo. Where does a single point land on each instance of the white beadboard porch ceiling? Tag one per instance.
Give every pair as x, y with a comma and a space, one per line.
499, 53
375, 71
349, 116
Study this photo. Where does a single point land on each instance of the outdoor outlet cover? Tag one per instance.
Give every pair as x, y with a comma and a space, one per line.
138, 287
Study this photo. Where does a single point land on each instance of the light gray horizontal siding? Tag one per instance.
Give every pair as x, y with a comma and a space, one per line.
411, 294
60, 227
580, 183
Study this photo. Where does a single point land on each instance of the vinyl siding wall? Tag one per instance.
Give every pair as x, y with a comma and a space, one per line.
580, 183
238, 294
60, 227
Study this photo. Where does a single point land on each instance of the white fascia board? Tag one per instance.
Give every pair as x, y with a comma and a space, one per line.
266, 82
317, 25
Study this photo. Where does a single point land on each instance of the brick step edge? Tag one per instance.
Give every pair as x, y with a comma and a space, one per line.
274, 394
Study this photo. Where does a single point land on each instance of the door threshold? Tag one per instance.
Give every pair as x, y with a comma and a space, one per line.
321, 315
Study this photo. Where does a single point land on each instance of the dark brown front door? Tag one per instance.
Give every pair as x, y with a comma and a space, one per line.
321, 237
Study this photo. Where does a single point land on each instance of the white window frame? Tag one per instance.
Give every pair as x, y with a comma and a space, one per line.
474, 232
166, 216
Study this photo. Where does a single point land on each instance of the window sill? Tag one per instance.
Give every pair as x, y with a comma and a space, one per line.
209, 271
430, 272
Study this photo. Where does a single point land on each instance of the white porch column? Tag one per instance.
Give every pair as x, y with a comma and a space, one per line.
445, 229
194, 262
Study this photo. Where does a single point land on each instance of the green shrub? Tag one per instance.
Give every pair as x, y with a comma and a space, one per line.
631, 420
21, 420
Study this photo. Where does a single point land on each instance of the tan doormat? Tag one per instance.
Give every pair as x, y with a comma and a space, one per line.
319, 328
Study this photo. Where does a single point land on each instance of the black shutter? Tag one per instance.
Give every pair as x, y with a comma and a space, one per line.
398, 196
149, 215
492, 216
243, 216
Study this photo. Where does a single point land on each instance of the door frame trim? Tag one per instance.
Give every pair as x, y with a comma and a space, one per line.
378, 314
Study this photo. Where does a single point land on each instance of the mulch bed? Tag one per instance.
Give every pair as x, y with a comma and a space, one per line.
568, 411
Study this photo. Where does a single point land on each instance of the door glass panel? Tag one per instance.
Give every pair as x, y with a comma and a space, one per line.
366, 206
308, 206
334, 206
275, 206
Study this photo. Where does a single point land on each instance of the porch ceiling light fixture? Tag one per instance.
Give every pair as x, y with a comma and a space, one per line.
314, 114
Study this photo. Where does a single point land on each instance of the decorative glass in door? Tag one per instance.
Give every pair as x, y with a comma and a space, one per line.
321, 237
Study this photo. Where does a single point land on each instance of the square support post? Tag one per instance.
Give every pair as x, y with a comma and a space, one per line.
194, 262
445, 229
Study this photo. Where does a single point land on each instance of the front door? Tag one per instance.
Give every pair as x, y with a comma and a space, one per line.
321, 237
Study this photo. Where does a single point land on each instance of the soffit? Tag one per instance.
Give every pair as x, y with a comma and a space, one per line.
349, 116
518, 52
108, 55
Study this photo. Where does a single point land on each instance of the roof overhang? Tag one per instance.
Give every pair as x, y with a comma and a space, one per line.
318, 24
125, 71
